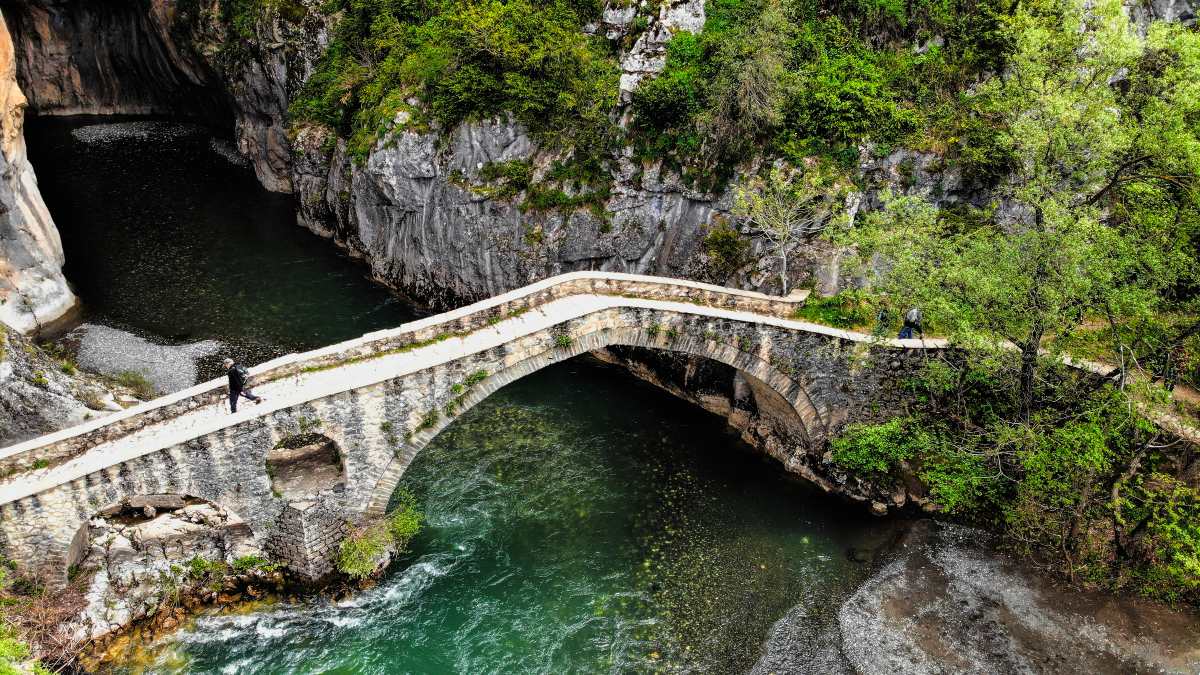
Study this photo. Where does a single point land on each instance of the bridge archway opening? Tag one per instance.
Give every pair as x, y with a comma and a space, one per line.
772, 410
139, 532
305, 465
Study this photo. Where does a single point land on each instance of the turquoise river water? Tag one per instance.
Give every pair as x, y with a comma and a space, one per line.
576, 521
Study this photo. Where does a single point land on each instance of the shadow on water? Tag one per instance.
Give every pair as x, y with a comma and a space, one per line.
167, 233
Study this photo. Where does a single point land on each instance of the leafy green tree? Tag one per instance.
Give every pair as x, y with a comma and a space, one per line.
785, 210
1097, 118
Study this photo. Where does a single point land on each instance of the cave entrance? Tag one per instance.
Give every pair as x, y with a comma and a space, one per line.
114, 58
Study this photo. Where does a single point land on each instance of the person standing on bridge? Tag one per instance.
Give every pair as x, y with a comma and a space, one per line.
238, 381
912, 322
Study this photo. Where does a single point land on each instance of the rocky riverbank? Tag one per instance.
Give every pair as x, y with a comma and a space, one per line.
41, 393
946, 600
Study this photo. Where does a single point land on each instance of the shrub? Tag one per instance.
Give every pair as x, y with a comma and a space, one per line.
404, 522
726, 250
138, 383
361, 552
877, 449
1170, 551
248, 563
844, 310
959, 482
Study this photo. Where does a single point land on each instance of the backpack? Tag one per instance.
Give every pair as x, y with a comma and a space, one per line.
913, 316
243, 375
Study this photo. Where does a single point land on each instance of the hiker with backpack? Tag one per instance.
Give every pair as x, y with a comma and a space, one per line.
912, 322
239, 380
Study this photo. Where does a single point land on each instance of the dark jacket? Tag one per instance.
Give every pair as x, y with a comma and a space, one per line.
237, 377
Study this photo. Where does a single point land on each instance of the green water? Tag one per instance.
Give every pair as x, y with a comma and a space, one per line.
164, 236
577, 521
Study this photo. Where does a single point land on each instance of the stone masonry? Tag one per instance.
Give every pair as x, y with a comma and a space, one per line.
383, 397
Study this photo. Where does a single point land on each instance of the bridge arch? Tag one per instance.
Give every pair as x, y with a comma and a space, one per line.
812, 425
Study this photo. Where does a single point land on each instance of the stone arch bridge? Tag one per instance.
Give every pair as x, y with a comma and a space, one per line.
383, 397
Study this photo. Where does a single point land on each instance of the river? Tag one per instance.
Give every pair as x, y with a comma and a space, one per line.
577, 521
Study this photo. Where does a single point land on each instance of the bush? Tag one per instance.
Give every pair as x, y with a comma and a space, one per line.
360, 553
404, 522
137, 382
1170, 510
878, 449
959, 482
250, 563
726, 250
844, 310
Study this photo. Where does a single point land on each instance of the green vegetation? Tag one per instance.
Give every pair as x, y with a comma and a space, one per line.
362, 551
466, 60
880, 448
137, 382
991, 284
15, 649
1097, 250
563, 340
802, 77
849, 309
727, 251
252, 563
784, 209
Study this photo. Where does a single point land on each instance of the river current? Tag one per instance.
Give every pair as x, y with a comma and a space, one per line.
576, 521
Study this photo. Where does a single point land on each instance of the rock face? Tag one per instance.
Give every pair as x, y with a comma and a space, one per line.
949, 603
103, 58
33, 293
138, 556
37, 397
416, 208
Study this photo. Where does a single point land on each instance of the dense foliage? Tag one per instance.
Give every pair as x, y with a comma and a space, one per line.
801, 77
1100, 227
458, 60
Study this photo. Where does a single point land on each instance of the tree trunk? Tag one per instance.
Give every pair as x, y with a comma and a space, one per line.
1028, 372
783, 270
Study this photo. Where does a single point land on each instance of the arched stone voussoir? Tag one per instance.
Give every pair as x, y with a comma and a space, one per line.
598, 335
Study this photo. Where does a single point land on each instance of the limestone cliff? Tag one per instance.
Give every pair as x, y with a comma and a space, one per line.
33, 293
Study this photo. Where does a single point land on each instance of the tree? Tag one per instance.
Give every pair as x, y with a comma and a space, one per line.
785, 211
1100, 123
747, 94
